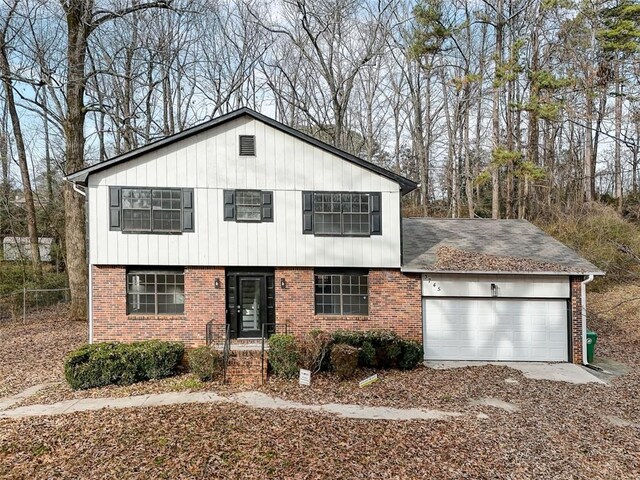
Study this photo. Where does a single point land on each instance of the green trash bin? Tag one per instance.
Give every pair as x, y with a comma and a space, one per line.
592, 338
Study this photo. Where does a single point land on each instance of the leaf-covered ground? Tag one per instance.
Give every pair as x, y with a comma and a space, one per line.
33, 352
560, 430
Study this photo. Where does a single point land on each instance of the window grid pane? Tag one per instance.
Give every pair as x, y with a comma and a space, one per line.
248, 205
341, 213
155, 292
342, 294
151, 210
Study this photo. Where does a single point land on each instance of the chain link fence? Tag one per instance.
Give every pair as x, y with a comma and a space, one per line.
22, 302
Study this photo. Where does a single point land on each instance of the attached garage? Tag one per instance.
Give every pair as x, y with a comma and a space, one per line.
496, 317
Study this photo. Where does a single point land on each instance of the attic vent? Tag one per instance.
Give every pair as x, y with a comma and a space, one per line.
247, 145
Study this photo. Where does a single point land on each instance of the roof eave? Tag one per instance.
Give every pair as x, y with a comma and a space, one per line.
597, 273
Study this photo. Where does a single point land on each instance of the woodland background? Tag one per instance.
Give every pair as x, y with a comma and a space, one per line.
524, 109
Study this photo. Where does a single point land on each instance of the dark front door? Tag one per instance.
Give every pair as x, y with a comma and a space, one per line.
250, 306
250, 302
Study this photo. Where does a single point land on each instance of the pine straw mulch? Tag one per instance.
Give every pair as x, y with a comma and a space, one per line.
33, 352
456, 260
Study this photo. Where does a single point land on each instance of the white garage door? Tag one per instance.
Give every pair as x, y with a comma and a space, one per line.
495, 329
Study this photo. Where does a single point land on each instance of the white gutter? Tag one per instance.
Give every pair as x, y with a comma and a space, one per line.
74, 185
584, 318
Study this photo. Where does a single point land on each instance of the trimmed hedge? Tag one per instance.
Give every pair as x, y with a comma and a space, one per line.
283, 355
381, 349
110, 363
205, 363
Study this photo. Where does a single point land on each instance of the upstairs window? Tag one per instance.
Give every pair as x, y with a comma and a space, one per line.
155, 292
341, 293
341, 213
151, 210
248, 206
247, 145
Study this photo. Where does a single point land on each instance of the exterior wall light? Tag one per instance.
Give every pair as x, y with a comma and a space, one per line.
283, 283
216, 283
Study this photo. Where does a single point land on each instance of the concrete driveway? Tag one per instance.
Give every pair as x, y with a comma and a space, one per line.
557, 372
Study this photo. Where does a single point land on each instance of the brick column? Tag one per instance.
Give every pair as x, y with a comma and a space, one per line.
576, 320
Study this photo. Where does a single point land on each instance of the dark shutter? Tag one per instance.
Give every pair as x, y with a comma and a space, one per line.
115, 222
187, 210
267, 206
229, 205
307, 212
247, 145
375, 200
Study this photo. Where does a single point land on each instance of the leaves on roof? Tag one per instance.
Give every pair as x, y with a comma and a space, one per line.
456, 260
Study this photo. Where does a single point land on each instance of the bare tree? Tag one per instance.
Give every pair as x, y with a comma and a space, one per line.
6, 73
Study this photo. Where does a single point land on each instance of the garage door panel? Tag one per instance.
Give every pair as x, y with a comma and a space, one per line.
495, 329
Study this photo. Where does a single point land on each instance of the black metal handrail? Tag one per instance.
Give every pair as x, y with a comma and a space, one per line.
265, 334
226, 352
209, 333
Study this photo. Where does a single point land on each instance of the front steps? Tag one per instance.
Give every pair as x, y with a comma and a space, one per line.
245, 367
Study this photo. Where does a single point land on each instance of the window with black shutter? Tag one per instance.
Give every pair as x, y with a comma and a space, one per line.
248, 206
341, 213
151, 210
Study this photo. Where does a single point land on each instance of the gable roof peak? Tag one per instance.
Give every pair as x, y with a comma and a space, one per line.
81, 176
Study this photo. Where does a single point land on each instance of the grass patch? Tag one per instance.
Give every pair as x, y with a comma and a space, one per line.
604, 238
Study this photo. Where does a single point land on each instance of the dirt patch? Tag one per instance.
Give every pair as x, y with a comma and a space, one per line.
34, 352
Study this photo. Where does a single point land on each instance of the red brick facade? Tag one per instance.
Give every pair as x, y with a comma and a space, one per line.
394, 304
576, 320
203, 302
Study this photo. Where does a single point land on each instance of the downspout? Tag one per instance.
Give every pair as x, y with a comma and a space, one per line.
589, 279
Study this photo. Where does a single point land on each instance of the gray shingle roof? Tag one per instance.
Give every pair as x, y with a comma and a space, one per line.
423, 237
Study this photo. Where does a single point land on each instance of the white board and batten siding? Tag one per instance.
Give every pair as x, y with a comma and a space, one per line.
526, 321
209, 163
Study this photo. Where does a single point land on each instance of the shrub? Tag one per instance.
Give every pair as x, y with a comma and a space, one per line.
381, 348
158, 359
205, 363
367, 356
412, 355
108, 363
344, 360
313, 348
283, 355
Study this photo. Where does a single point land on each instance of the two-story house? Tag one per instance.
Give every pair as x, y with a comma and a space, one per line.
247, 222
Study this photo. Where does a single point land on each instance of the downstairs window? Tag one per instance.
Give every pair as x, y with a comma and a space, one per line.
341, 293
152, 292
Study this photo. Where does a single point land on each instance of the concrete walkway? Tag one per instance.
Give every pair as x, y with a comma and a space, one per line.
557, 372
250, 399
7, 402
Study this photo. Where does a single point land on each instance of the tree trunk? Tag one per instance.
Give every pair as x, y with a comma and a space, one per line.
589, 181
618, 128
29, 205
495, 119
78, 15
